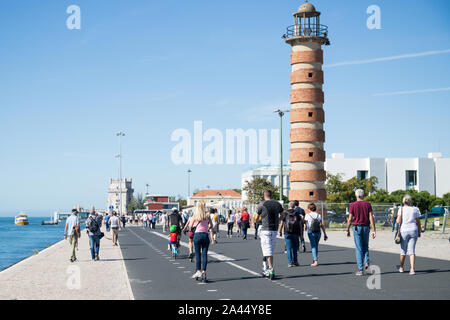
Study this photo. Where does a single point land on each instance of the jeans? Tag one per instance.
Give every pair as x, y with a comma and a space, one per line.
230, 228
256, 229
292, 245
94, 242
314, 239
244, 225
201, 245
361, 235
145, 224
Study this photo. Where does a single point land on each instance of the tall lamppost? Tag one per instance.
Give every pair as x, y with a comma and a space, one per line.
147, 185
120, 135
281, 114
189, 183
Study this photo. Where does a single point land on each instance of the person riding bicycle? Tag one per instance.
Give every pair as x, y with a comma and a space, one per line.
174, 238
174, 219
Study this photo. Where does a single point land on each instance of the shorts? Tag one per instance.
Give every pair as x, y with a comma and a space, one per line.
176, 243
408, 242
268, 241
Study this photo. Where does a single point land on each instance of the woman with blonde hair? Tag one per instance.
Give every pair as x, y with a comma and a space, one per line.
201, 224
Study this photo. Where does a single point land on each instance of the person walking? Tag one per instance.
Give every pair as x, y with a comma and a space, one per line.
201, 222
93, 225
410, 231
245, 222
191, 237
115, 228
302, 213
230, 223
291, 222
164, 221
108, 216
238, 222
361, 217
256, 223
394, 219
213, 216
72, 230
269, 210
313, 225
153, 220
124, 220
145, 220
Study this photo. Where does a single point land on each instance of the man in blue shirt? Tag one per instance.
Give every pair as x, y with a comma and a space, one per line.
302, 213
72, 230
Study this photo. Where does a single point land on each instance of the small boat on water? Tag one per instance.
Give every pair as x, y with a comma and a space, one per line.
49, 223
21, 219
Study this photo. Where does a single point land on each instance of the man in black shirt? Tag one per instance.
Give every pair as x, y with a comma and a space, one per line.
302, 213
269, 210
175, 218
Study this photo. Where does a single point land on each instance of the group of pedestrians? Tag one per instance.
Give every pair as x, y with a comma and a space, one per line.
94, 223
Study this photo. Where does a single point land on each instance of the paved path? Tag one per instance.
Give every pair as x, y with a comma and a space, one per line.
234, 266
50, 275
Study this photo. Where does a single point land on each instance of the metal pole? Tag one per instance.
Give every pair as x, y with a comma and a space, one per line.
281, 156
120, 134
281, 114
445, 220
189, 183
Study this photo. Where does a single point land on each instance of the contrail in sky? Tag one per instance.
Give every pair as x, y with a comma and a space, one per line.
410, 92
403, 56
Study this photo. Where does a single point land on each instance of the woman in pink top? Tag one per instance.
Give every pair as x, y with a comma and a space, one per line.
201, 223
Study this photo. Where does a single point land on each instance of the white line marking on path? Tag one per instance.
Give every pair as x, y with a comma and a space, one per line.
213, 290
215, 256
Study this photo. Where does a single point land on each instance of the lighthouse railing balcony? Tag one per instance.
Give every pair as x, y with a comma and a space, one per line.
312, 30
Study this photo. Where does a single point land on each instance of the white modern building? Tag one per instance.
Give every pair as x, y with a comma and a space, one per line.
114, 191
217, 198
430, 174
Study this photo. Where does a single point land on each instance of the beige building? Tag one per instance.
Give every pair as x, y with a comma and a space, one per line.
114, 191
217, 198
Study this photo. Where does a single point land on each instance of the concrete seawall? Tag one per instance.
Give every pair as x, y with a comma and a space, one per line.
49, 275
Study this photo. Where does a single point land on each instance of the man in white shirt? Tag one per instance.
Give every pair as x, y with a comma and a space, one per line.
115, 228
72, 230
145, 220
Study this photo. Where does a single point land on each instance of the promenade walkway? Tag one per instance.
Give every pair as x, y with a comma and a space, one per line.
49, 275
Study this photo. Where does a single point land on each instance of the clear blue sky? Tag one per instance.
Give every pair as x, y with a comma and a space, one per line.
149, 67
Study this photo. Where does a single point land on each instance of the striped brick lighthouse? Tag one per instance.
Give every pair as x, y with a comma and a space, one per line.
307, 155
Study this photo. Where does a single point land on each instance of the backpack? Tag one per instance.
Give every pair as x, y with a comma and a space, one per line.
93, 225
315, 225
292, 223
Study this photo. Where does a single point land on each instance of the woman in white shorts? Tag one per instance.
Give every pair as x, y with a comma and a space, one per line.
410, 229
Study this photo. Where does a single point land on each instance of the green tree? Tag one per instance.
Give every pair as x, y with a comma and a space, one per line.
446, 199
339, 191
380, 196
136, 203
256, 187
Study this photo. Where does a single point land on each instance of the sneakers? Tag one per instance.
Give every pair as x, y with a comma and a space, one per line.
97, 258
359, 273
400, 269
204, 279
197, 275
412, 272
366, 269
296, 264
271, 274
291, 265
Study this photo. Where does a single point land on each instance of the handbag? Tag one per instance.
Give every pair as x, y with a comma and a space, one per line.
192, 231
398, 238
101, 235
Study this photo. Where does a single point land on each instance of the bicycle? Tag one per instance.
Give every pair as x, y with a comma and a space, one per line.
174, 251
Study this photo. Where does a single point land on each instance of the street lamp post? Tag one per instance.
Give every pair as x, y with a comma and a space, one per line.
147, 185
189, 182
281, 114
120, 135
